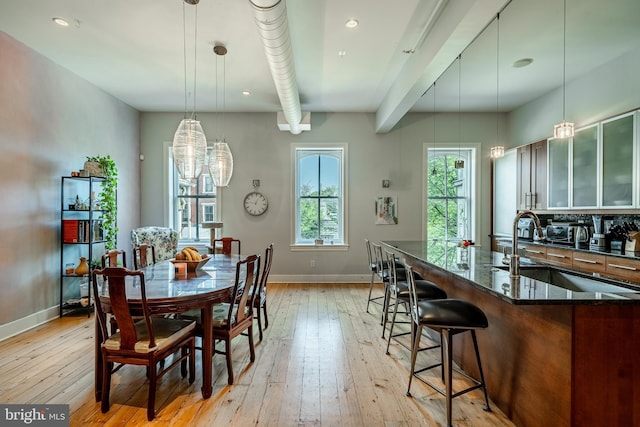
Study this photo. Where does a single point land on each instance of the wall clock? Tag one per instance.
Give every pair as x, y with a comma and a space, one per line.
255, 203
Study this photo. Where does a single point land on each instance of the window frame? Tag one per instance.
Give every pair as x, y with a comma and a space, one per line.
295, 148
172, 185
474, 214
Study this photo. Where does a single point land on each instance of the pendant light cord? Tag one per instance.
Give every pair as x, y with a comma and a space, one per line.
498, 78
459, 99
184, 56
564, 59
195, 61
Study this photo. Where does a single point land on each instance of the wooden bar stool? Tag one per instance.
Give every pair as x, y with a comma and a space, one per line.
449, 317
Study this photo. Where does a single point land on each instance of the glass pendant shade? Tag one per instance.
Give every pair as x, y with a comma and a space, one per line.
497, 152
563, 130
220, 163
189, 149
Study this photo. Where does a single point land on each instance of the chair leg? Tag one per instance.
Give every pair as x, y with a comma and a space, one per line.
446, 367
387, 304
259, 316
107, 367
153, 379
266, 317
227, 343
184, 351
373, 274
416, 332
484, 385
393, 322
192, 361
252, 348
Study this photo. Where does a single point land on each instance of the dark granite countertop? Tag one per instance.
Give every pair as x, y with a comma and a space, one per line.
485, 270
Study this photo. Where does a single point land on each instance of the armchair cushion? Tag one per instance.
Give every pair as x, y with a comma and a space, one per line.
163, 239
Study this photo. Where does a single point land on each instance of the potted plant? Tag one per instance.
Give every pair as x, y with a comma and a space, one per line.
108, 200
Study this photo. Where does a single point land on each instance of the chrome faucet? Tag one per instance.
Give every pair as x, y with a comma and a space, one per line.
514, 262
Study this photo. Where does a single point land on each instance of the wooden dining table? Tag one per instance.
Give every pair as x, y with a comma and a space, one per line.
168, 293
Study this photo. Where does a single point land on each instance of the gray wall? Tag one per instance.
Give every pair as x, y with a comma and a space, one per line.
262, 152
50, 120
609, 90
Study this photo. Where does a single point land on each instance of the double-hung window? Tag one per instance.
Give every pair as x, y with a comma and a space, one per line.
192, 203
319, 192
451, 189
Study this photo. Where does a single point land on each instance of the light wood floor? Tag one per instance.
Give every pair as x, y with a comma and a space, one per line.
322, 362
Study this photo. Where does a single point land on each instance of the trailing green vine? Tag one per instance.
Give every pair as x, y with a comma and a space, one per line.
108, 199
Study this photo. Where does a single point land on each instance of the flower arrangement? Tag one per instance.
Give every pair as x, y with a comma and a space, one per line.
465, 243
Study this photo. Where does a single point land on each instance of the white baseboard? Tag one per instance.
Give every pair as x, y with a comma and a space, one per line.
320, 278
18, 326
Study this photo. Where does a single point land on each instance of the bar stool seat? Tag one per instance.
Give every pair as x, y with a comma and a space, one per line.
448, 317
425, 290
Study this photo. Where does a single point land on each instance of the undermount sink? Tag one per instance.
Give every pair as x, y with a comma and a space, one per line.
571, 281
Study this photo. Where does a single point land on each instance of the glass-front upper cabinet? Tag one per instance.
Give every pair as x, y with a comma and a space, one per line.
558, 182
585, 168
618, 162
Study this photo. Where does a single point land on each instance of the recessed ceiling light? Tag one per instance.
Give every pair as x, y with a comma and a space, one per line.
61, 21
520, 63
246, 92
342, 53
351, 23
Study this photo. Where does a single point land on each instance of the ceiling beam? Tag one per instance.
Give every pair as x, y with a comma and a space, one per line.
454, 26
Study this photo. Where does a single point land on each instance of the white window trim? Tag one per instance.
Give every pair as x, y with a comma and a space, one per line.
474, 189
294, 185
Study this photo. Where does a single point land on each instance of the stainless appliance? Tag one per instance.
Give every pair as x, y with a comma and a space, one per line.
526, 228
598, 241
561, 233
581, 236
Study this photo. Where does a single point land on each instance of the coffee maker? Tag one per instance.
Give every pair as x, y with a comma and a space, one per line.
598, 241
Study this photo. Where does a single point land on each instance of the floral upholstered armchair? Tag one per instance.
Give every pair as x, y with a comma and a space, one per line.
163, 239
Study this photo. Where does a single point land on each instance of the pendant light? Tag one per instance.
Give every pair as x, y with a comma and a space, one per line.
498, 150
459, 163
434, 171
220, 157
189, 142
564, 129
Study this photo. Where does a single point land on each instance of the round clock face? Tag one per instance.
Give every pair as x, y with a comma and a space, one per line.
255, 203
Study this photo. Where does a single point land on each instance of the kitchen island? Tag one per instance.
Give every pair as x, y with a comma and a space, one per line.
551, 356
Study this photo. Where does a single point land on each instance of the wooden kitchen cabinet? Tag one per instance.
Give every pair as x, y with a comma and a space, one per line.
532, 176
534, 252
623, 268
588, 262
560, 256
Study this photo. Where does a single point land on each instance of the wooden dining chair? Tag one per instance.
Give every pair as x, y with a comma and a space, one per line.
147, 342
143, 255
227, 244
110, 258
260, 299
235, 317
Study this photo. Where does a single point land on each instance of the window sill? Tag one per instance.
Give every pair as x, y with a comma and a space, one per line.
343, 247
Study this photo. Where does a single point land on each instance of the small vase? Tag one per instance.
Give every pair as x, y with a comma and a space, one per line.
82, 268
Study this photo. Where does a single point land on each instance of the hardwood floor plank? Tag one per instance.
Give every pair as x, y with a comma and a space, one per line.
322, 362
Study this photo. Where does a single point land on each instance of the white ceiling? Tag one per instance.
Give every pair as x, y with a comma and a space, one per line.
134, 50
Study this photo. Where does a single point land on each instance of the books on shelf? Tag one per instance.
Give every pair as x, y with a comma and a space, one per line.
81, 231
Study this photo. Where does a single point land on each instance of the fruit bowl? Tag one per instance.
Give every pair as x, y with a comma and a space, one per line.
192, 265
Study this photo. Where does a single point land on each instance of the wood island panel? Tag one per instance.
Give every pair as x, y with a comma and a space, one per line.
555, 364
525, 351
